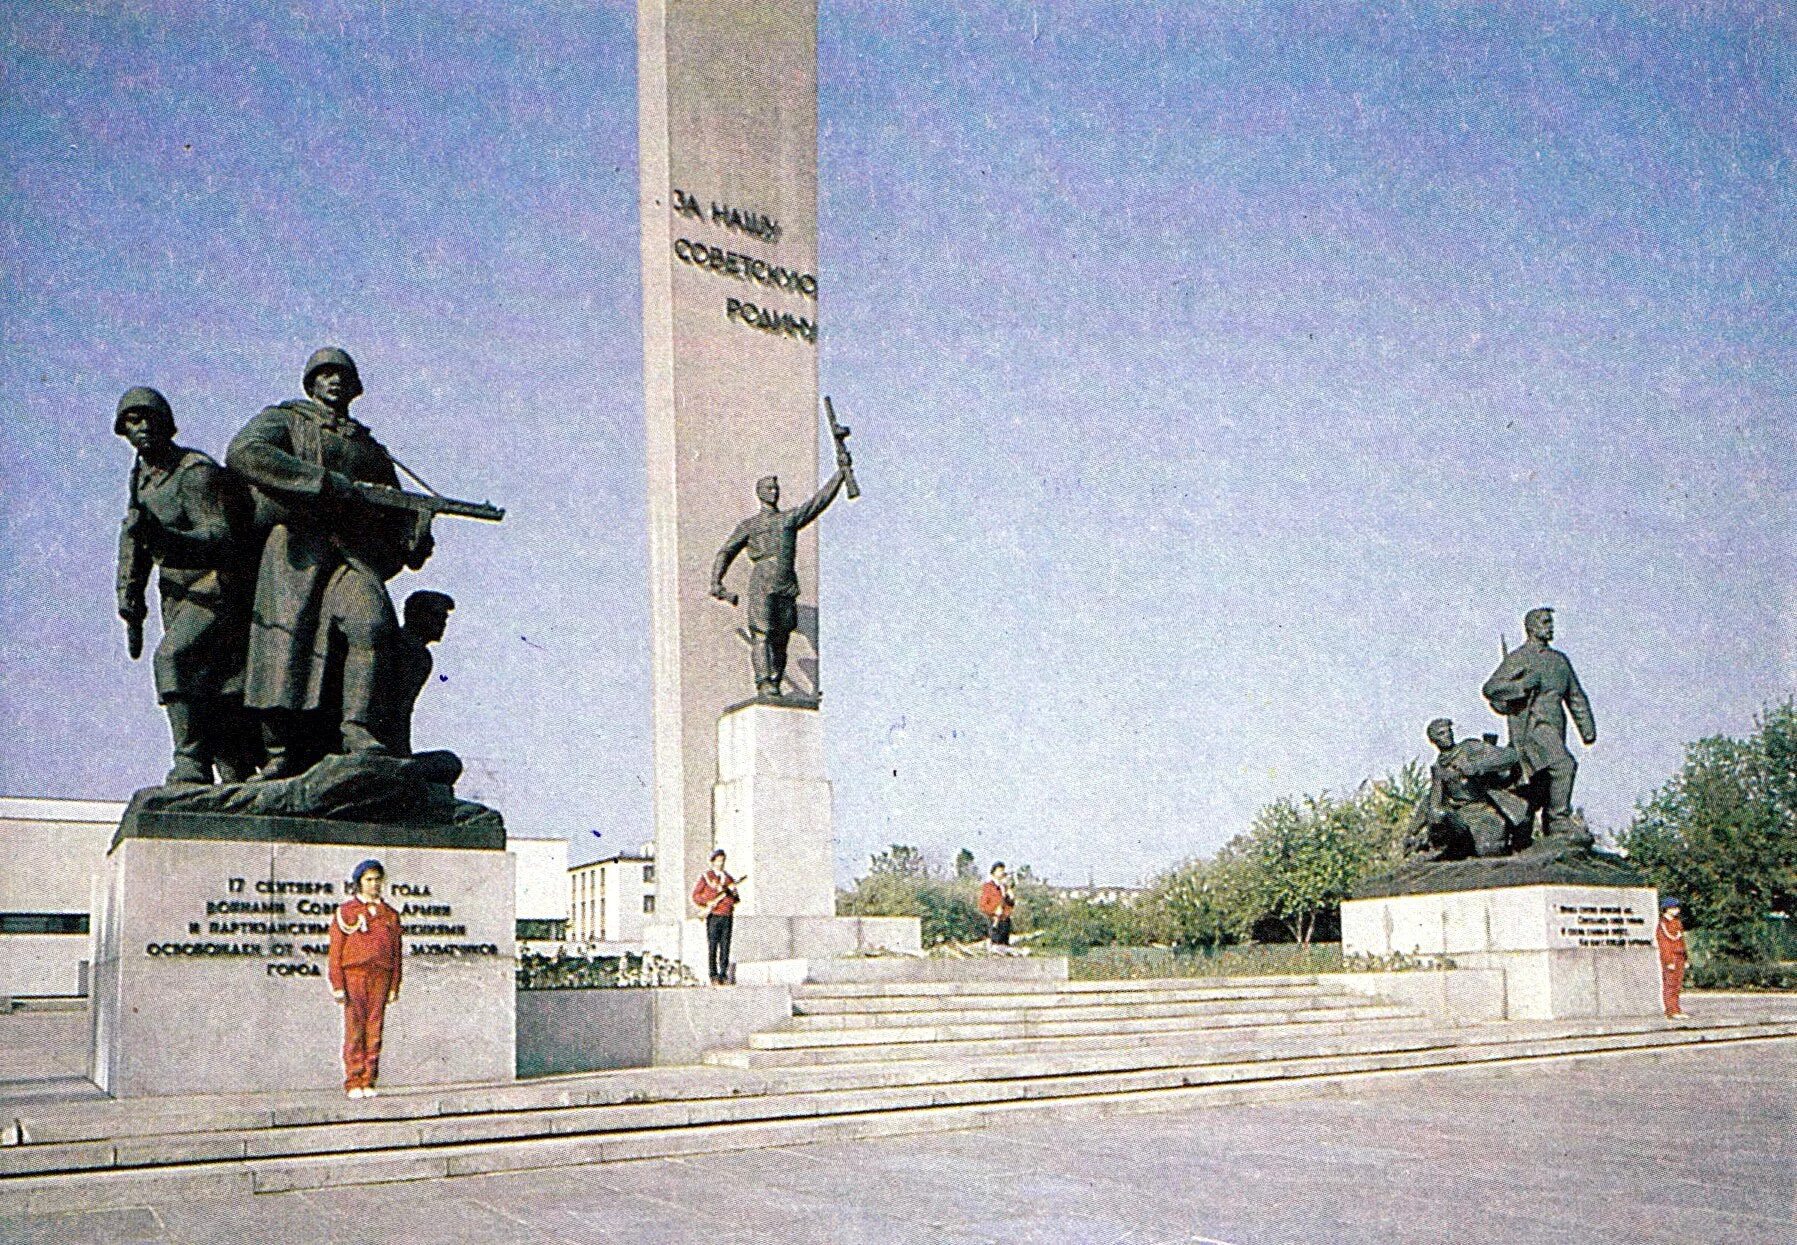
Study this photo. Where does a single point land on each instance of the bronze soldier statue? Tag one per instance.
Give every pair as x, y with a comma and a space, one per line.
426, 619
771, 537
1472, 808
188, 518
322, 639
1535, 687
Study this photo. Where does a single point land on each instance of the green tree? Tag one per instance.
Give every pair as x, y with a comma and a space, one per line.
900, 861
1722, 834
1201, 904
964, 864
900, 882
1306, 856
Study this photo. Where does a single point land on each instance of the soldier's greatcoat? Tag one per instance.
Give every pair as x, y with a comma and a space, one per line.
313, 540
1534, 687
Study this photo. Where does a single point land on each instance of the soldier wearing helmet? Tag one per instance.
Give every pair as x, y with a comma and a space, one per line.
323, 633
189, 518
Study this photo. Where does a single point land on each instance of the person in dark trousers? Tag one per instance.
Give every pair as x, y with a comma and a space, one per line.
996, 903
716, 895
1669, 935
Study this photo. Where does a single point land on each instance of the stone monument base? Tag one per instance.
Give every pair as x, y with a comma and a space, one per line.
211, 934
761, 938
1565, 951
771, 811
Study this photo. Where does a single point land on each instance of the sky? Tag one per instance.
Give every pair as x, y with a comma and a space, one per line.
1225, 385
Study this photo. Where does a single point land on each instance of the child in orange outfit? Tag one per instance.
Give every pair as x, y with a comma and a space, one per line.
364, 966
1669, 935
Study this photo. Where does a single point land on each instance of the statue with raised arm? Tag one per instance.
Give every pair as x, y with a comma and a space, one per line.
771, 537
188, 520
1536, 689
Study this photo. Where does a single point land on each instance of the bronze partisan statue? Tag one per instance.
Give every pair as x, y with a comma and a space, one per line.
426, 619
1535, 688
1473, 807
189, 519
771, 537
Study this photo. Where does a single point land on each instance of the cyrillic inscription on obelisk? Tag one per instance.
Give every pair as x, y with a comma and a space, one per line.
727, 109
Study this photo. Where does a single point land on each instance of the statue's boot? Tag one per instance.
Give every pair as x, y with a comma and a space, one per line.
234, 742
761, 661
281, 742
192, 762
361, 705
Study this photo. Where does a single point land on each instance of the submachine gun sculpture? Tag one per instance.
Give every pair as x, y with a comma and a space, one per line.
430, 503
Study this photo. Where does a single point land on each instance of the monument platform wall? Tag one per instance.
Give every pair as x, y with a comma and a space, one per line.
596, 1030
210, 970
1564, 951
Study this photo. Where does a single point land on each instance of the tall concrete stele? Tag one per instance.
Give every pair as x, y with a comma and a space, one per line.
727, 109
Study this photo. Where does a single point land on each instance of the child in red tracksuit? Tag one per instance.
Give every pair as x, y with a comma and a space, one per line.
1670, 937
365, 966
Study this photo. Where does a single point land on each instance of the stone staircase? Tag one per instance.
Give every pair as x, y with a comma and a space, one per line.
853, 1061
1032, 1022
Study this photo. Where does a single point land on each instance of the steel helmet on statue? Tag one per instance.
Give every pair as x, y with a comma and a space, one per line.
337, 357
144, 398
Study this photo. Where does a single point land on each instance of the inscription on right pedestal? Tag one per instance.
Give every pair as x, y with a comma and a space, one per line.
1600, 925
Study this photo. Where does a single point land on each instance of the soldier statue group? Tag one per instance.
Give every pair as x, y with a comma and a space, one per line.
280, 644
1484, 798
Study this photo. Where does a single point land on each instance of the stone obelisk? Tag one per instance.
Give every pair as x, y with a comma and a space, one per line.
727, 110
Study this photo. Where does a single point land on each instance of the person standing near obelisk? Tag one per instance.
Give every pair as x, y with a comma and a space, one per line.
323, 628
1535, 687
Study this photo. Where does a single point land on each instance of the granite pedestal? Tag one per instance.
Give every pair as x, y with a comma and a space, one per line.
1565, 951
771, 815
210, 943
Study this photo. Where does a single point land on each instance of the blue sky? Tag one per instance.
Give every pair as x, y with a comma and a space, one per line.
1223, 384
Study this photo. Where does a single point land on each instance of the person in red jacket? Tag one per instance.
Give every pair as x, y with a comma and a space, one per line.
996, 903
716, 895
1670, 937
364, 967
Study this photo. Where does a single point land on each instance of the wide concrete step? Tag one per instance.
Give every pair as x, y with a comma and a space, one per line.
809, 1004
1118, 1029
899, 989
1074, 1010
1245, 1036
158, 1168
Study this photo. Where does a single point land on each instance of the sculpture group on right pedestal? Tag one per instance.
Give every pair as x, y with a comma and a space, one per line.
1484, 799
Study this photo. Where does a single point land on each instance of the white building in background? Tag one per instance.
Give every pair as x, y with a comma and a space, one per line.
541, 889
610, 899
50, 853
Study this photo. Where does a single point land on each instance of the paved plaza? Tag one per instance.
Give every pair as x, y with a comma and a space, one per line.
1697, 1145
